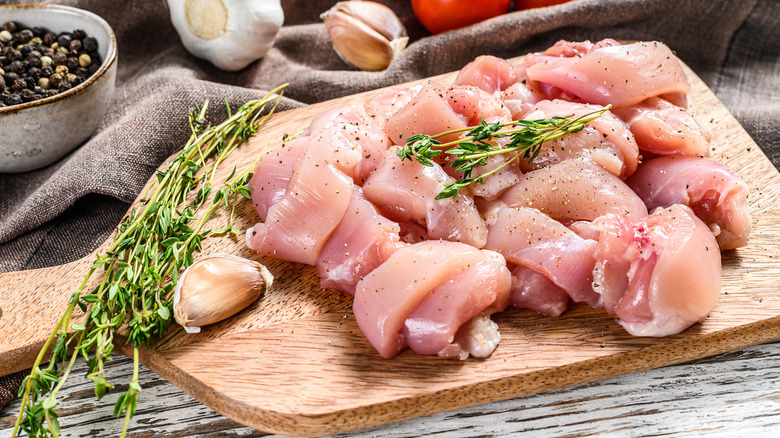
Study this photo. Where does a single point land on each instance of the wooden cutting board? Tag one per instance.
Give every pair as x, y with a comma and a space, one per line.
295, 362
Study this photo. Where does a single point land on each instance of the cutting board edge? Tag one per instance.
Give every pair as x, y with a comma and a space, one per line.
405, 408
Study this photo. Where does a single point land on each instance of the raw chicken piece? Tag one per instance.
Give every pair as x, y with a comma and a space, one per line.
297, 227
427, 113
611, 74
273, 172
406, 191
363, 240
717, 194
529, 238
354, 115
474, 105
488, 73
425, 292
532, 290
606, 140
574, 189
352, 124
659, 275
388, 101
663, 128
520, 97
493, 185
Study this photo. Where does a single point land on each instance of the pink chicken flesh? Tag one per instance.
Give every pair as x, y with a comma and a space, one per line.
659, 275
488, 73
297, 226
574, 189
620, 75
663, 128
363, 240
717, 194
533, 290
273, 172
405, 191
529, 238
424, 293
606, 140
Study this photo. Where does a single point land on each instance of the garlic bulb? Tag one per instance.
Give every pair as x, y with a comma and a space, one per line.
216, 287
228, 33
365, 34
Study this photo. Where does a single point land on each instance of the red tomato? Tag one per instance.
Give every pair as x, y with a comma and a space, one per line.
528, 4
442, 15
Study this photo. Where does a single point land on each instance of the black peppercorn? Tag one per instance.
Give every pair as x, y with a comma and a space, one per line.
64, 86
34, 73
10, 77
50, 93
4, 60
25, 50
49, 38
25, 36
63, 40
15, 67
90, 44
15, 55
19, 85
59, 58
13, 99
72, 63
93, 68
82, 71
78, 34
29, 82
54, 80
95, 56
27, 95
79, 80
75, 45
35, 61
10, 26
47, 71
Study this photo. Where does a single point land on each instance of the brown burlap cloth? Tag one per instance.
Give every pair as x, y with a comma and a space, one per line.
60, 213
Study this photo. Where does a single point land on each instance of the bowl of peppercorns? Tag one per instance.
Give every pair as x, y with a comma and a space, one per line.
57, 75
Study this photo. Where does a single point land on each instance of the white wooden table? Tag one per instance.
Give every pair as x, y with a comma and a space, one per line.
734, 394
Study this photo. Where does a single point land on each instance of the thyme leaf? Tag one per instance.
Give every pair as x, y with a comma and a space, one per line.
137, 274
477, 146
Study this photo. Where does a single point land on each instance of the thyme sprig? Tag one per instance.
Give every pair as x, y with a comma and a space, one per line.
137, 274
478, 145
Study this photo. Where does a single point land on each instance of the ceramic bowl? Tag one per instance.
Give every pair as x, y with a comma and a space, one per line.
36, 134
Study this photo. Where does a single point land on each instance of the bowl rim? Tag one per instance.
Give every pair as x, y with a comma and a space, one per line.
108, 62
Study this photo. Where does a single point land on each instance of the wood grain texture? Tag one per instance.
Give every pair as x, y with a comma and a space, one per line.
296, 363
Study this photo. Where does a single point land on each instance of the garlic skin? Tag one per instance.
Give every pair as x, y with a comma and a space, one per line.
365, 34
230, 34
217, 287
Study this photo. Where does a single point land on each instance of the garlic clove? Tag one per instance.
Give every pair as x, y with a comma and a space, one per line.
228, 33
365, 34
217, 287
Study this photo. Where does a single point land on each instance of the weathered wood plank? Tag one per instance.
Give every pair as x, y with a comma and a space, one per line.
733, 394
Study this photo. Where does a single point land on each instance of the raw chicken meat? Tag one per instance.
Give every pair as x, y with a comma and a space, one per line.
427, 113
717, 194
488, 73
606, 140
425, 292
363, 240
574, 189
297, 226
406, 191
273, 172
659, 275
532, 290
387, 102
620, 75
663, 128
529, 238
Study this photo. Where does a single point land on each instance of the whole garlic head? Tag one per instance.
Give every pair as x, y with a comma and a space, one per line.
228, 33
217, 287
